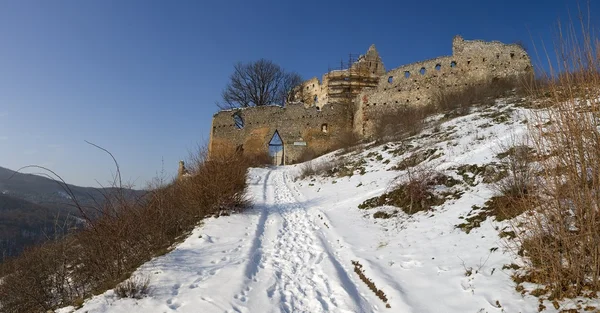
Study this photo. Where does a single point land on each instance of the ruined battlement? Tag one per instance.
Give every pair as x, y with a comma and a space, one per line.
472, 62
342, 85
349, 99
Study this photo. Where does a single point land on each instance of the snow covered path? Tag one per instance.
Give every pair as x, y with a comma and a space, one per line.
292, 268
274, 258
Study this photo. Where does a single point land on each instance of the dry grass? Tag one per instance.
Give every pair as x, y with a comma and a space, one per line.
400, 122
560, 240
127, 232
405, 121
460, 102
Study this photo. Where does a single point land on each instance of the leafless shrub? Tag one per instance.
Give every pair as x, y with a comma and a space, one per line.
400, 122
325, 168
134, 287
560, 240
126, 233
459, 102
413, 194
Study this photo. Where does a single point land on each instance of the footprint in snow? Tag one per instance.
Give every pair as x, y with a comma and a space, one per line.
173, 305
441, 269
411, 264
176, 289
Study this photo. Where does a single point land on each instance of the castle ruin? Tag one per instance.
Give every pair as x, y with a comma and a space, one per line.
347, 100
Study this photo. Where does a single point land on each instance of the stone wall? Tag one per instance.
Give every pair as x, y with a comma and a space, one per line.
319, 129
471, 63
349, 100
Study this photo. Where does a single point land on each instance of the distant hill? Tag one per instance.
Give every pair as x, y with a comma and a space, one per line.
47, 192
23, 223
30, 205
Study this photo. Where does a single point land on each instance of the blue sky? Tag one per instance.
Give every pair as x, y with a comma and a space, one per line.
140, 78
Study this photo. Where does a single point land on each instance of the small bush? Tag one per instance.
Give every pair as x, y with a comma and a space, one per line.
381, 214
134, 287
415, 195
327, 168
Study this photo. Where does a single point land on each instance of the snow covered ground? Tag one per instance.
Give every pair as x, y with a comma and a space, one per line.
293, 251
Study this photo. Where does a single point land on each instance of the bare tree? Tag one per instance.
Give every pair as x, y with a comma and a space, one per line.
291, 80
258, 83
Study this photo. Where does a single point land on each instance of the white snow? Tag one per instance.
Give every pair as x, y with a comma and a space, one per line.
293, 251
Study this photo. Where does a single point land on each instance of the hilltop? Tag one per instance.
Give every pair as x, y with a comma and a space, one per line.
330, 235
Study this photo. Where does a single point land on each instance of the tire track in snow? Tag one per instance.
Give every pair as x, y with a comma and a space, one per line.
286, 266
394, 290
256, 251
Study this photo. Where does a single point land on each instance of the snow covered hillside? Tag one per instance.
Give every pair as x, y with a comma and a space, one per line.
306, 244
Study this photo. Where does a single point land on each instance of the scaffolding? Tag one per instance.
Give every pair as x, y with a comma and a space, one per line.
345, 82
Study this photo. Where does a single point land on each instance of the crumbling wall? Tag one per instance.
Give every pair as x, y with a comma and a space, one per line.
300, 129
328, 105
471, 62
342, 85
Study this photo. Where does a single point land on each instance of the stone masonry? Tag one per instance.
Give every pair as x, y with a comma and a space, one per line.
349, 100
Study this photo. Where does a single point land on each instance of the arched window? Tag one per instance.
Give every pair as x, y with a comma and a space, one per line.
422, 71
406, 74
390, 79
238, 120
438, 67
453, 64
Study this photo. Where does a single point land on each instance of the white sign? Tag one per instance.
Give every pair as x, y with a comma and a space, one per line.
300, 143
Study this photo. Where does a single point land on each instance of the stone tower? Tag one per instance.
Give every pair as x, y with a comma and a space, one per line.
182, 171
370, 61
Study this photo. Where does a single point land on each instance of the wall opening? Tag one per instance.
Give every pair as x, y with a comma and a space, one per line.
406, 74
315, 100
453, 64
512, 55
276, 149
324, 128
422, 71
497, 55
390, 79
438, 67
238, 120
